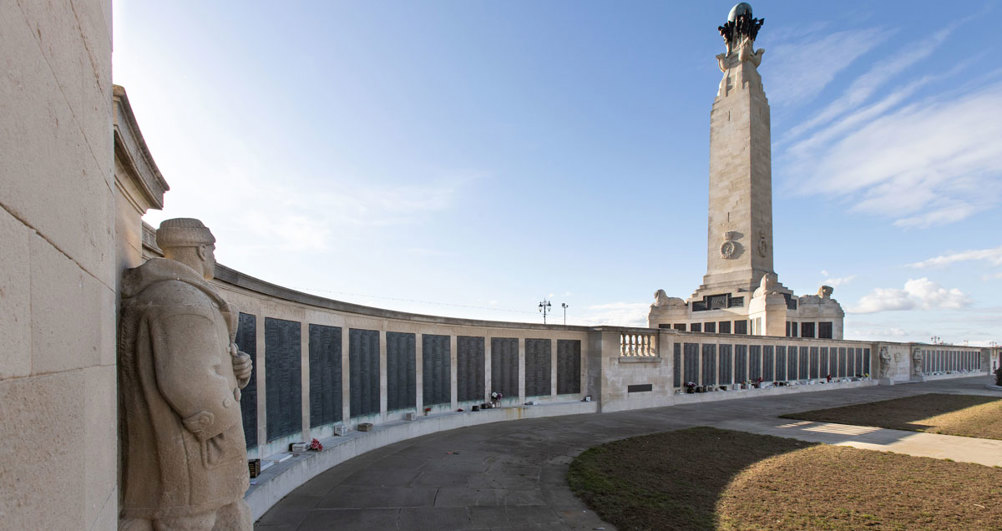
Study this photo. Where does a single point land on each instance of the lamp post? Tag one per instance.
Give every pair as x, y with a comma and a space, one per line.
564, 305
936, 340
544, 306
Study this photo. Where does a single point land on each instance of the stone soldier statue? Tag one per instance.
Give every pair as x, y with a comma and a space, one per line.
885, 362
917, 362
180, 375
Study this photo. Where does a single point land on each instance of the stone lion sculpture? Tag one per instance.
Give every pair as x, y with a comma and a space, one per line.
660, 298
180, 375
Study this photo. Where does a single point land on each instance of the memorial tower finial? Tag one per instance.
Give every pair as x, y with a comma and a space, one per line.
739, 33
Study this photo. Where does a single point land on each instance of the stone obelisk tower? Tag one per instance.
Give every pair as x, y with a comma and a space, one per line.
739, 250
741, 293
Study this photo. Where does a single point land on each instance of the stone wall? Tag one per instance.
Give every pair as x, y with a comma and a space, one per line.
57, 267
322, 364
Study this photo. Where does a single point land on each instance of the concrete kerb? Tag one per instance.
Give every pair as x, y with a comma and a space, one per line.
282, 478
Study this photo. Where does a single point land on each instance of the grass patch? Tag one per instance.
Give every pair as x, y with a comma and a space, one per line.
668, 480
838, 487
964, 415
704, 478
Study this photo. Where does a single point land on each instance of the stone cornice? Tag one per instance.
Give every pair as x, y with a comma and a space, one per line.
235, 278
131, 150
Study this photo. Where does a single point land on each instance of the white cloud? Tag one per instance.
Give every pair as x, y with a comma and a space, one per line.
617, 314
837, 281
798, 72
889, 333
993, 256
918, 294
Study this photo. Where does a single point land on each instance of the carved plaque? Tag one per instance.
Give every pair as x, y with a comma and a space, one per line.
283, 366
740, 363
791, 363
754, 362
709, 364
780, 364
325, 375
725, 364
247, 342
767, 363
815, 363
568, 366
677, 366
436, 387
363, 371
538, 362
470, 368
803, 364
504, 366
690, 367
401, 371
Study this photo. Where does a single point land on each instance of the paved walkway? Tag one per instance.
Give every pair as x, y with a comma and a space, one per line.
511, 475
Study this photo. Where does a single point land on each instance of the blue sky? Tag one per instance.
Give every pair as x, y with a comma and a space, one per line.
473, 158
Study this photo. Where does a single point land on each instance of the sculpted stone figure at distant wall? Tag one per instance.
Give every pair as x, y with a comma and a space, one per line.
885, 363
185, 458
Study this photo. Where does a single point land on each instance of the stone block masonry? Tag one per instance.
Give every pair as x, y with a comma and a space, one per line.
58, 275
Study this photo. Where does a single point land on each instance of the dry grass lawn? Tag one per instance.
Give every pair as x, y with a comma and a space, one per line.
965, 415
704, 478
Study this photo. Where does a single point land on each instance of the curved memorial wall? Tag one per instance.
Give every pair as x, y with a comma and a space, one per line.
358, 378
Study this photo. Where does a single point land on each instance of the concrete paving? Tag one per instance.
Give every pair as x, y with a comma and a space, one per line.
511, 475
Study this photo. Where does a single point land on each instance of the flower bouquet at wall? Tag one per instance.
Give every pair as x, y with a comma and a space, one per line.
315, 446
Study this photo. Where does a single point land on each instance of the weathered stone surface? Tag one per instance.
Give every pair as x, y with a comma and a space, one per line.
53, 177
62, 336
39, 489
15, 298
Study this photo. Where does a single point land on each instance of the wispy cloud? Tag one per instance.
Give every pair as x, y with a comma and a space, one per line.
265, 214
930, 163
617, 313
921, 163
864, 86
918, 294
992, 256
801, 68
836, 281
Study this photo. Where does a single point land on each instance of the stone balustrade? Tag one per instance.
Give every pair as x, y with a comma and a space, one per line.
638, 344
